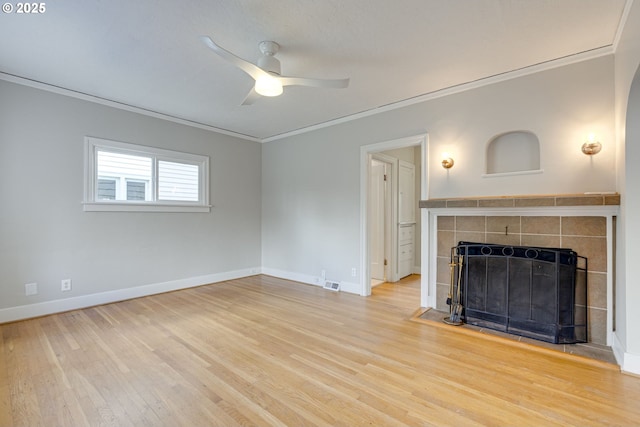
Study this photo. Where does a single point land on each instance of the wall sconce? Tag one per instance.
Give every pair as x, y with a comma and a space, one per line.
592, 146
447, 161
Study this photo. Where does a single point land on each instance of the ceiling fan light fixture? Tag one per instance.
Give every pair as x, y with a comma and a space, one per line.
267, 75
268, 86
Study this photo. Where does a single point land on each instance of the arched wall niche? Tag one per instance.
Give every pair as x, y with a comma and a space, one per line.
513, 152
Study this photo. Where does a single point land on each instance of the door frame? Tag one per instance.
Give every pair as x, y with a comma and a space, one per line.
366, 152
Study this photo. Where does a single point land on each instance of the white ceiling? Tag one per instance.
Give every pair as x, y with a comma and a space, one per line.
147, 53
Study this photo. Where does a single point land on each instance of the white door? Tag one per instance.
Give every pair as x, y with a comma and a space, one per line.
377, 218
406, 193
406, 218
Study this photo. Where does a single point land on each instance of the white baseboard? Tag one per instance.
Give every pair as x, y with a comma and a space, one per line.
628, 362
618, 349
352, 288
296, 277
12, 314
21, 312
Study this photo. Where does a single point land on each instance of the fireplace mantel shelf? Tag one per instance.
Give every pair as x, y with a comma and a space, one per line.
529, 201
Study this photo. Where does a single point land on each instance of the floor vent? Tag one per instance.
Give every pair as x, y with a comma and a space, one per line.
332, 286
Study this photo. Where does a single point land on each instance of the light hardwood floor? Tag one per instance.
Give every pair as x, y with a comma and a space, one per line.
266, 351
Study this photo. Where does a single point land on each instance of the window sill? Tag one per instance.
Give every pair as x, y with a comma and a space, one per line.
144, 207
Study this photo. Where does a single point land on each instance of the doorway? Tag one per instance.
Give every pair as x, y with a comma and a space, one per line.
367, 154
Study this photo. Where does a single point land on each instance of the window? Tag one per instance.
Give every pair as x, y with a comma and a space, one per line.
107, 189
137, 190
128, 177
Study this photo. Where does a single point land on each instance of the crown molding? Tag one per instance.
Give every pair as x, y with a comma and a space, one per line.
440, 93
621, 24
119, 105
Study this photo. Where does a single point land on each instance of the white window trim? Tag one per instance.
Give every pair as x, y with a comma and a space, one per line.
92, 145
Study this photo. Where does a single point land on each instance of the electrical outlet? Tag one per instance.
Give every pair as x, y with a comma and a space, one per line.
323, 275
65, 285
30, 289
353, 272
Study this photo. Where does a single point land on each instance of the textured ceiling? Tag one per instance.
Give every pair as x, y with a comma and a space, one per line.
147, 53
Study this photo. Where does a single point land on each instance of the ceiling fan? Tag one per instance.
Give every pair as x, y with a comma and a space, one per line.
266, 73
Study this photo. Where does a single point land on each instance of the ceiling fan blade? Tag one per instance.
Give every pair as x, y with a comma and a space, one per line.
246, 66
252, 97
324, 83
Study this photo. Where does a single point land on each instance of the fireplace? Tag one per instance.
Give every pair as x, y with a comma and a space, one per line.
584, 222
536, 292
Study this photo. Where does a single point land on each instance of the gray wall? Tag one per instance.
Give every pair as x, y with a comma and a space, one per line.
46, 236
293, 205
310, 184
627, 61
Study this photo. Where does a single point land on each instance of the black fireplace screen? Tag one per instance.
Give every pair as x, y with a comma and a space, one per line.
539, 293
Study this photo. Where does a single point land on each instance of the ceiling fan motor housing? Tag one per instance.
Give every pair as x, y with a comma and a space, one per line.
269, 64
267, 61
